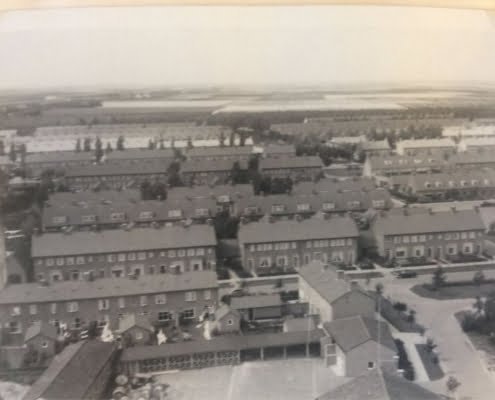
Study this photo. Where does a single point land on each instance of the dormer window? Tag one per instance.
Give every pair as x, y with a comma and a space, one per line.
353, 204
463, 183
145, 215
250, 210
117, 216
427, 184
451, 183
474, 182
438, 184
202, 212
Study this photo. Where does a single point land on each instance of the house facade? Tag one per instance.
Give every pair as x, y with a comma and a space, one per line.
392, 165
290, 244
163, 299
120, 253
205, 172
434, 235
296, 168
232, 153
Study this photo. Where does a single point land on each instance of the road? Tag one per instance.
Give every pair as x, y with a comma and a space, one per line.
457, 356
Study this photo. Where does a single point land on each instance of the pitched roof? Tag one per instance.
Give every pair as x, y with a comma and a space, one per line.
158, 166
210, 165
223, 311
478, 142
117, 240
426, 143
73, 372
426, 222
352, 332
140, 154
333, 186
211, 191
276, 149
468, 157
291, 162
59, 157
24, 293
129, 321
325, 280
379, 384
398, 162
307, 229
255, 301
458, 178
219, 151
93, 197
375, 145
40, 328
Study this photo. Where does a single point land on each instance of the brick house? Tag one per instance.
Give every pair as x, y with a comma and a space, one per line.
116, 176
119, 253
434, 235
42, 337
204, 172
268, 306
163, 299
357, 344
289, 244
330, 295
297, 168
225, 320
136, 329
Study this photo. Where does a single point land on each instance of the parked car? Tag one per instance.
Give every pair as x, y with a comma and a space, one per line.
238, 293
405, 274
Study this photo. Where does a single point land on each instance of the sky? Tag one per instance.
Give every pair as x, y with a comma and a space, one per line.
311, 45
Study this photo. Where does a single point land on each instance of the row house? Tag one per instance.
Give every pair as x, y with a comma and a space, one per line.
434, 235
92, 197
205, 172
123, 252
392, 165
115, 176
289, 244
297, 168
112, 215
279, 150
232, 153
37, 162
139, 155
162, 299
333, 185
290, 206
375, 147
440, 147
470, 160
479, 145
456, 185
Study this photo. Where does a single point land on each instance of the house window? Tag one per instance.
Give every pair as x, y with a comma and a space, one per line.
202, 212
44, 345
72, 306
69, 260
303, 207
121, 257
74, 275
250, 263
53, 308
14, 327
175, 213
111, 258
378, 203
121, 302
60, 219
60, 261
117, 216
16, 310
164, 316
50, 262
467, 248
191, 296
207, 294
200, 252
181, 253
188, 314
145, 215
172, 253
277, 208
131, 256
33, 310
328, 206
160, 299
400, 253
265, 262
451, 250
143, 301
88, 218
139, 335
190, 252
230, 322
141, 255
103, 304
281, 261
295, 261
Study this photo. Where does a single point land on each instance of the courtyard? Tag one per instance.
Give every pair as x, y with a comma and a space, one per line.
294, 379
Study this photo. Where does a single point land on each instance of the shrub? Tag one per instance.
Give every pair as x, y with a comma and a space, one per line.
468, 323
399, 306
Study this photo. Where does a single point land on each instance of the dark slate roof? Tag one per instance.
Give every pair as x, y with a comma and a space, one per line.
278, 149
219, 151
255, 301
139, 154
224, 343
352, 332
59, 157
115, 169
333, 186
131, 320
223, 311
40, 328
375, 145
210, 165
398, 162
93, 197
118, 240
235, 192
291, 162
73, 372
378, 384
307, 229
324, 280
415, 223
25, 293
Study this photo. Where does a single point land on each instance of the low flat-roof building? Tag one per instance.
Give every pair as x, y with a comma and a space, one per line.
375, 147
123, 252
268, 306
288, 245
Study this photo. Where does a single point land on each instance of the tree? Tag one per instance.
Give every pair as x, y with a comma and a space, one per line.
87, 144
162, 145
109, 148
236, 174
489, 307
158, 190
78, 145
189, 143
478, 278
98, 149
439, 278
120, 143
174, 178
12, 153
145, 189
411, 317
452, 385
430, 345
222, 139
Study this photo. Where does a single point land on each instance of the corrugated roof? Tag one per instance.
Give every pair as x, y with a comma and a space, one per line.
112, 241
25, 293
290, 162
255, 301
73, 372
307, 229
445, 221
352, 332
379, 384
